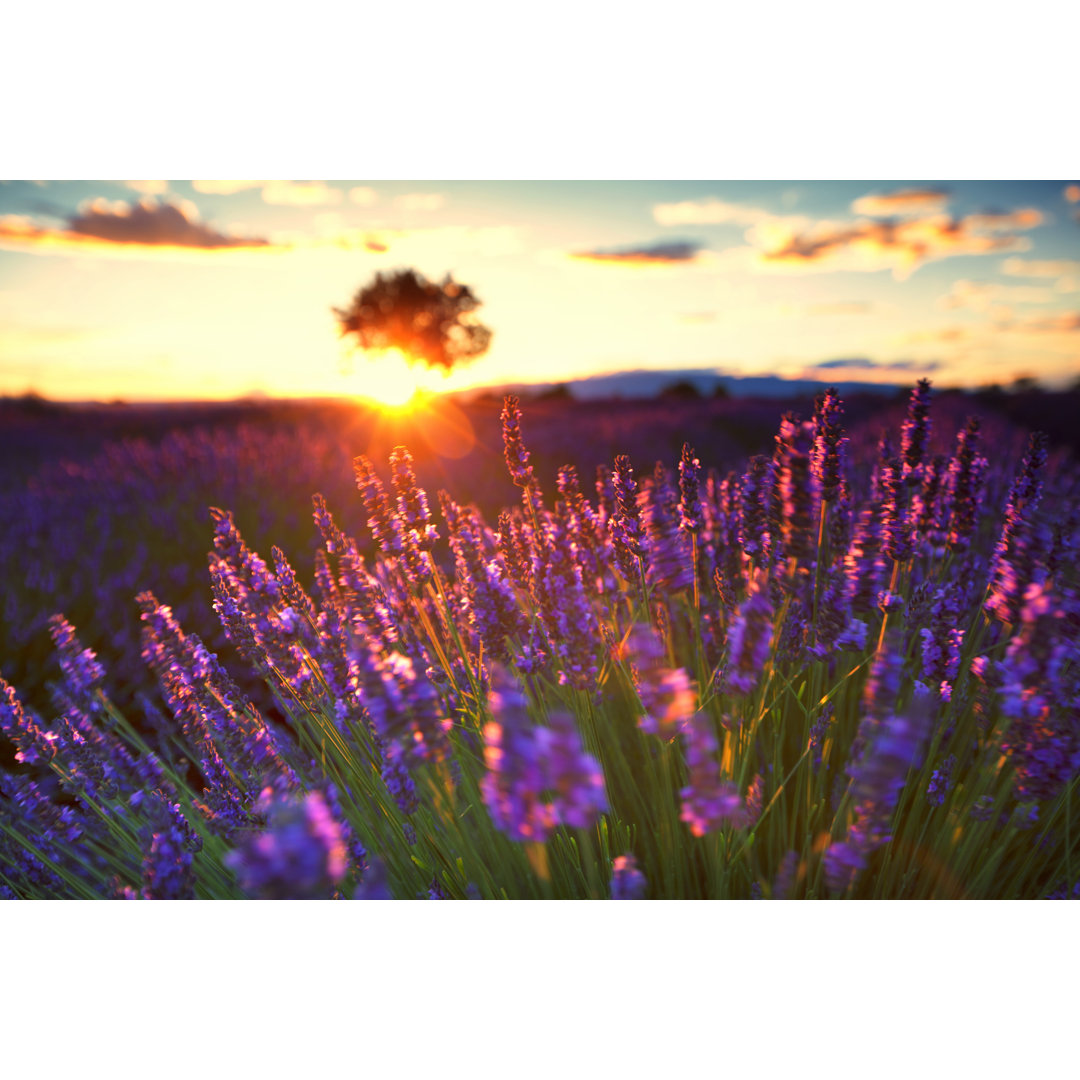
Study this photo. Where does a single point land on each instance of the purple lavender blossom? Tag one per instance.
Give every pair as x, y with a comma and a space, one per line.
890, 749
627, 881
167, 872
517, 457
753, 497
538, 778
941, 782
965, 479
668, 695
894, 513
35, 746
788, 875
82, 673
1043, 738
708, 802
1012, 566
827, 458
491, 605
301, 854
671, 563
749, 640
916, 431
384, 524
690, 513
627, 531
795, 488
412, 504
863, 564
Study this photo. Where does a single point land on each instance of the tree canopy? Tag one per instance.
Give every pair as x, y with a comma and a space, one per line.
430, 322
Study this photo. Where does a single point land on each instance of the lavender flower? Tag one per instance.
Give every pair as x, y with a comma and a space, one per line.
753, 532
667, 694
538, 778
894, 517
671, 563
916, 431
82, 673
167, 872
795, 488
517, 457
964, 486
384, 524
627, 531
690, 514
708, 801
749, 640
891, 748
1012, 565
412, 502
829, 445
301, 854
35, 746
627, 881
941, 782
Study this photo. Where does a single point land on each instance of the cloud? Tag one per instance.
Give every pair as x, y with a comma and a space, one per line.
423, 201
149, 187
901, 203
868, 245
698, 318
225, 187
994, 220
662, 252
363, 196
877, 367
982, 295
1042, 268
100, 225
709, 212
300, 193
1072, 193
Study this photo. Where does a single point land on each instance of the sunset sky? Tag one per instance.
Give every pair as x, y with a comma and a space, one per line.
216, 289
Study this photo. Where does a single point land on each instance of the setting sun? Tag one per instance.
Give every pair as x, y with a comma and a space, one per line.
389, 379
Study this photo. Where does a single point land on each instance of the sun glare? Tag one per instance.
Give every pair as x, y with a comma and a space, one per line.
388, 379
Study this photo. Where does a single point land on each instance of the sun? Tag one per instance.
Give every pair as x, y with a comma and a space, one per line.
388, 379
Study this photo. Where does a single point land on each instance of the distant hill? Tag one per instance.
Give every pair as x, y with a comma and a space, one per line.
647, 384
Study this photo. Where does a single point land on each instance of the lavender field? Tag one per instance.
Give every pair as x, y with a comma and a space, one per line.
547, 649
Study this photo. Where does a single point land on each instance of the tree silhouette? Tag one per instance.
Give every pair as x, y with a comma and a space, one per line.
430, 322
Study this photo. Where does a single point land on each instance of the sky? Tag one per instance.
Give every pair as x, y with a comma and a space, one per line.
210, 289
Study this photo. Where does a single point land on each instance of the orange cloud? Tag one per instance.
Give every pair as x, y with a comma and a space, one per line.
1027, 218
1072, 193
100, 225
665, 252
898, 203
363, 196
302, 193
901, 245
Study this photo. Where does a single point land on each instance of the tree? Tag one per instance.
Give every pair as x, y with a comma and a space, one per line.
430, 322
